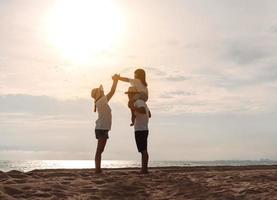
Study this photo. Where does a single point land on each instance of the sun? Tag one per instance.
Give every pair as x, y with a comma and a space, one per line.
81, 29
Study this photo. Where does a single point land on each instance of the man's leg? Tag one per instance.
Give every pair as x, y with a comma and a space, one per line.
100, 148
144, 162
141, 142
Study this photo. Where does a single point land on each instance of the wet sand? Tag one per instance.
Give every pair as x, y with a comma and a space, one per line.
247, 182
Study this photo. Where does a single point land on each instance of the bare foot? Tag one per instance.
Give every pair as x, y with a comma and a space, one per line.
98, 171
144, 172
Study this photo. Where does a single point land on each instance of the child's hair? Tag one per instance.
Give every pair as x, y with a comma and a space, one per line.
93, 95
140, 74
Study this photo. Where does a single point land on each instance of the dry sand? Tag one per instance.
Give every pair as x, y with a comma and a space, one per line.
252, 182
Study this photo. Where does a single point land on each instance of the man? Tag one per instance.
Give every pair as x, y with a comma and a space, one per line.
142, 114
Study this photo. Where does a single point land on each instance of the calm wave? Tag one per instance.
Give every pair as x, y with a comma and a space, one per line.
80, 164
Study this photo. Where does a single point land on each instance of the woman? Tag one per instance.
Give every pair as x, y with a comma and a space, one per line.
104, 121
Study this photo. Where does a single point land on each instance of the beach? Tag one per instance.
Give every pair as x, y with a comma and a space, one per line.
219, 182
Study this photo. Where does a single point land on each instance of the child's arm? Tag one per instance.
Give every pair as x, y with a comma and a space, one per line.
113, 88
124, 79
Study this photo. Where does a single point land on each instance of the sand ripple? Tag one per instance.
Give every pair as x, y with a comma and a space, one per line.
255, 182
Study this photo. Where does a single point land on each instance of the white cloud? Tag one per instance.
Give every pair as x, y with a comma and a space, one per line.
202, 58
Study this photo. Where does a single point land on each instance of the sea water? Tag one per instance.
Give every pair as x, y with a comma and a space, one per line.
28, 165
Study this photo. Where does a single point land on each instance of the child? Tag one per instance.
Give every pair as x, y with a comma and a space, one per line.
139, 84
104, 121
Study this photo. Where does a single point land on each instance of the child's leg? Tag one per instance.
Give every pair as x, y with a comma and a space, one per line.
133, 116
100, 148
141, 96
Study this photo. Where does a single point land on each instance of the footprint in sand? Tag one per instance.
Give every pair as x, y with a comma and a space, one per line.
16, 174
58, 186
99, 182
40, 194
88, 190
26, 188
12, 191
8, 182
46, 189
69, 179
3, 176
65, 182
20, 181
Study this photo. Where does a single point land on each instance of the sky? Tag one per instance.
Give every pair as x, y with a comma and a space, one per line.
211, 68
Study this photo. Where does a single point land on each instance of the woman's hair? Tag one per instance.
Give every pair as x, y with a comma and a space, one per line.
140, 74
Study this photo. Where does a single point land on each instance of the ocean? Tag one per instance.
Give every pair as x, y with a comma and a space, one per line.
29, 165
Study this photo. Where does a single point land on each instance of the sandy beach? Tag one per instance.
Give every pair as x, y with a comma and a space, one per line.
245, 182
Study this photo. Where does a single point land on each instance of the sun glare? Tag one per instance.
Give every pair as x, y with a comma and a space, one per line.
81, 29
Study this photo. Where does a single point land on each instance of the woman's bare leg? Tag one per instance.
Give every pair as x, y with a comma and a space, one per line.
100, 148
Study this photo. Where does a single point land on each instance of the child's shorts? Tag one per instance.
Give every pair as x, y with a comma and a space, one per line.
141, 96
101, 134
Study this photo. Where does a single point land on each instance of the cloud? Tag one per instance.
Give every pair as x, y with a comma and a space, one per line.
238, 77
197, 132
273, 29
177, 78
41, 155
156, 71
43, 105
161, 73
205, 66
269, 74
173, 42
247, 52
177, 93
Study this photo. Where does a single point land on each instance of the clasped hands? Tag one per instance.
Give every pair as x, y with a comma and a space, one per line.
115, 77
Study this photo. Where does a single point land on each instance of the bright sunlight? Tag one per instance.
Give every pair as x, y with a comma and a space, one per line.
81, 29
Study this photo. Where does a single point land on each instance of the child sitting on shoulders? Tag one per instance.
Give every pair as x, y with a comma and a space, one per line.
139, 86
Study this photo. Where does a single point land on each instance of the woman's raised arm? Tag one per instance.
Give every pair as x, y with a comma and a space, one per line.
113, 88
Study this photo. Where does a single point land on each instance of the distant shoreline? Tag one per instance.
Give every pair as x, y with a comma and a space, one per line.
167, 168
29, 165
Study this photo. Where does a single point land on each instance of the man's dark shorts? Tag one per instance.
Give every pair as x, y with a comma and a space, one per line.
141, 140
101, 134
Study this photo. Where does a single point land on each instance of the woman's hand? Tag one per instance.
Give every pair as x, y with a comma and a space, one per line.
115, 77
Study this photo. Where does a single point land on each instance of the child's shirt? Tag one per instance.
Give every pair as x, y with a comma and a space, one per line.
104, 121
139, 86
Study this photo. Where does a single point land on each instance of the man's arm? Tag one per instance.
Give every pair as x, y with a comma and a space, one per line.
113, 88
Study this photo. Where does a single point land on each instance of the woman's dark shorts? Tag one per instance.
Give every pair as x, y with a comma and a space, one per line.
101, 134
141, 140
